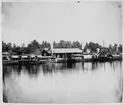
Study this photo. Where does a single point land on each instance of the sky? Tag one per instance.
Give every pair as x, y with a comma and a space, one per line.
88, 21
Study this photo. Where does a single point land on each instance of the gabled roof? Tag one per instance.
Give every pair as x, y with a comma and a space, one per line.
47, 49
67, 50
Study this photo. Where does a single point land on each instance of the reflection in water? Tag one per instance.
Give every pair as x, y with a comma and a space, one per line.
63, 82
94, 65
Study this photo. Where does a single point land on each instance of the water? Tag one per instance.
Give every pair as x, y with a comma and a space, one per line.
63, 83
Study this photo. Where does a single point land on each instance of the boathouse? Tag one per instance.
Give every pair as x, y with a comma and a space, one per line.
66, 52
15, 57
46, 52
104, 49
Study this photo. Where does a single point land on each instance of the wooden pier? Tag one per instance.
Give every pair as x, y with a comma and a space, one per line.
43, 60
32, 62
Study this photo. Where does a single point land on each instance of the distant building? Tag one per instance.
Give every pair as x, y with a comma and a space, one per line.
15, 57
104, 50
5, 56
66, 52
5, 53
46, 52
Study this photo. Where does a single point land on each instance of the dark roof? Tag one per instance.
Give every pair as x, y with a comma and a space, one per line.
47, 49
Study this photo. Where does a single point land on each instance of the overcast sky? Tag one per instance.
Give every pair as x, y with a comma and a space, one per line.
54, 21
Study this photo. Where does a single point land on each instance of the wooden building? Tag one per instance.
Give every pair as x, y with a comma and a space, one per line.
5, 56
66, 52
46, 52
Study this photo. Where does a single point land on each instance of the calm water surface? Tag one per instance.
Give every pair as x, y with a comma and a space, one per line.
63, 83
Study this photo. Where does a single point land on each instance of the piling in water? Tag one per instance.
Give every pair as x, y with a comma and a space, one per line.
5, 98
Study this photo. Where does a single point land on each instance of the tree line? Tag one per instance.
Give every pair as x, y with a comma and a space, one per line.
67, 44
33, 47
36, 47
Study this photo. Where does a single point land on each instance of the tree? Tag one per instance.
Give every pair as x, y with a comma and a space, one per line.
120, 48
86, 47
45, 44
92, 46
22, 48
114, 51
67, 44
76, 44
110, 48
14, 48
6, 47
9, 47
23, 45
3, 46
62, 44
33, 46
55, 45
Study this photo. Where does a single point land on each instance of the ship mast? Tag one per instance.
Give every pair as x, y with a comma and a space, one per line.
51, 46
103, 43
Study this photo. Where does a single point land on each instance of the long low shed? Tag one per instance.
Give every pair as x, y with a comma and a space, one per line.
67, 50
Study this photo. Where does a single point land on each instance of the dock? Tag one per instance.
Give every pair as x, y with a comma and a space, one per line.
35, 62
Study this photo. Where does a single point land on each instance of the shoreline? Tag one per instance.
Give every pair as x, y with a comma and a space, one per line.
35, 62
